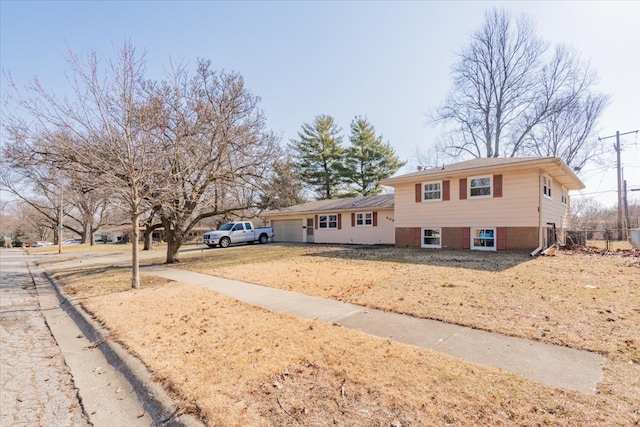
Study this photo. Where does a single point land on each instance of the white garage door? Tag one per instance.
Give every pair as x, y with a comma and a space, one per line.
287, 230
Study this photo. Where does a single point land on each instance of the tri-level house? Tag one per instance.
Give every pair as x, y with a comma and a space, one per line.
490, 204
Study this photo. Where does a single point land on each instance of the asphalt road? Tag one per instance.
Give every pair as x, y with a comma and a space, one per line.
36, 386
50, 373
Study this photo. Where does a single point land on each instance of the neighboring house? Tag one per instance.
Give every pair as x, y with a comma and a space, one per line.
484, 204
357, 220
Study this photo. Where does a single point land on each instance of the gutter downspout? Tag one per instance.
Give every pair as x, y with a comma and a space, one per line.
540, 241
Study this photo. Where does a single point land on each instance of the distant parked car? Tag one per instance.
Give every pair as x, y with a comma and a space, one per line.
41, 243
71, 241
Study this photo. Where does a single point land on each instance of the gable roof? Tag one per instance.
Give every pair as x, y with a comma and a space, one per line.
554, 166
382, 201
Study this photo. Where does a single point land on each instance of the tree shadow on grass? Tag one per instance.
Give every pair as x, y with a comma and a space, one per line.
90, 278
474, 260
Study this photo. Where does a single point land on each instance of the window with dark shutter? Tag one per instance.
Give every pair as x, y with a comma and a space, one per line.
466, 237
463, 188
497, 185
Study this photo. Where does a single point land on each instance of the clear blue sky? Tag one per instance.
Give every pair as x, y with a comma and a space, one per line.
388, 61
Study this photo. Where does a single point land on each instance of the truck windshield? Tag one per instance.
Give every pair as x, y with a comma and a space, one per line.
226, 226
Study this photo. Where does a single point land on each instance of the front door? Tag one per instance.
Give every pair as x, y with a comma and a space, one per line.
309, 230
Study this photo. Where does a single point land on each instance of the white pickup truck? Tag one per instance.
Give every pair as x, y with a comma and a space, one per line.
237, 232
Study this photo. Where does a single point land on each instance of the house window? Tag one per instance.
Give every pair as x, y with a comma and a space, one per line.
483, 239
431, 238
364, 219
546, 186
329, 222
480, 187
565, 196
431, 191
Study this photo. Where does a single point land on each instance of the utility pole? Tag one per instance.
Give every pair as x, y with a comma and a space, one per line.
622, 235
59, 229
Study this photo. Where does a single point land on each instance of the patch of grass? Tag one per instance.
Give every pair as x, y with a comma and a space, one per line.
239, 365
234, 364
583, 301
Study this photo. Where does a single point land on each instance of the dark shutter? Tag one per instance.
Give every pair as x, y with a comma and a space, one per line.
339, 221
316, 222
445, 190
375, 219
417, 237
497, 185
501, 238
466, 237
418, 193
353, 219
463, 188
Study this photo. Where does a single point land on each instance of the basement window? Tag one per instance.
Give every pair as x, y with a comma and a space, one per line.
431, 238
483, 239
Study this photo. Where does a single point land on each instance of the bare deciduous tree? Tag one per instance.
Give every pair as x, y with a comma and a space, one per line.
102, 132
507, 83
213, 136
285, 186
53, 192
570, 132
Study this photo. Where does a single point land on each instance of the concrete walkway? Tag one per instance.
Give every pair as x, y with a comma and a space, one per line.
549, 364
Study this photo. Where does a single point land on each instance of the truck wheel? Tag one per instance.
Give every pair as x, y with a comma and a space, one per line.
225, 242
263, 238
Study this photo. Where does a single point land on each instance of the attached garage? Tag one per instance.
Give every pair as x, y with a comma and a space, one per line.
352, 221
287, 230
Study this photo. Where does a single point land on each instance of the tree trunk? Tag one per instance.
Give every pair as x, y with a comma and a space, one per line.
87, 236
148, 232
135, 264
174, 242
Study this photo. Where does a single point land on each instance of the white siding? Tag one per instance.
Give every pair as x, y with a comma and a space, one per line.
382, 234
553, 210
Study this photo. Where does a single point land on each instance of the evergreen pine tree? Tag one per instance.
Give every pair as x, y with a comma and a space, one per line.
368, 159
320, 154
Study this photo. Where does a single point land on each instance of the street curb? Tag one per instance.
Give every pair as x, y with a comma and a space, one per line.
154, 398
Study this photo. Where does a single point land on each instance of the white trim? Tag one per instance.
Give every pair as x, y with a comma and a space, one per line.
482, 196
425, 245
547, 186
481, 247
327, 222
364, 219
422, 191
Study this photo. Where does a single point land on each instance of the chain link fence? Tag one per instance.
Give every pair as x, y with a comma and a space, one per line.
601, 238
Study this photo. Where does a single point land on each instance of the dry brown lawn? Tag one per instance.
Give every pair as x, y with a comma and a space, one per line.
234, 364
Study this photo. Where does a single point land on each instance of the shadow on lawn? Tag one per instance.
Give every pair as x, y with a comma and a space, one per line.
475, 260
68, 279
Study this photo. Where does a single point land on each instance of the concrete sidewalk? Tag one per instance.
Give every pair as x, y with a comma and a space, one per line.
549, 364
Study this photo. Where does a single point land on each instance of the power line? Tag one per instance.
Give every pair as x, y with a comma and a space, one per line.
621, 230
